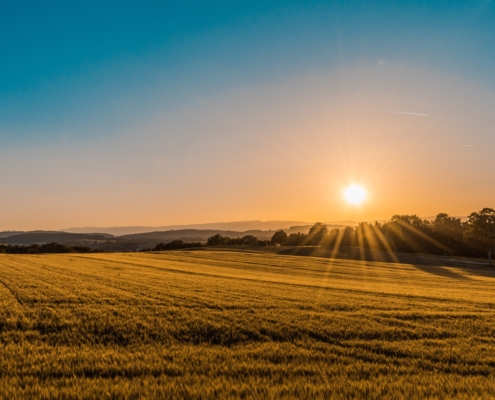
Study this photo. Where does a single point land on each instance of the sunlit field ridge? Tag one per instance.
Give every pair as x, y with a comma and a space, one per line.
238, 324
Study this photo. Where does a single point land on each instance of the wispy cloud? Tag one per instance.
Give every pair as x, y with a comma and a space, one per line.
467, 145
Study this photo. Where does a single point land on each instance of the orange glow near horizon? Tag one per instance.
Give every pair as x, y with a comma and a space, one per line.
280, 152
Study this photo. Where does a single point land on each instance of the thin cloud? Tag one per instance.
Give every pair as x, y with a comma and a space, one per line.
467, 145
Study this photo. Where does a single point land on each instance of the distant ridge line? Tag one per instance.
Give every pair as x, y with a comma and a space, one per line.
238, 226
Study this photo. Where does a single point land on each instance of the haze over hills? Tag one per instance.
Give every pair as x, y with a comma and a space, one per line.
132, 242
239, 226
259, 228
39, 237
137, 241
131, 238
9, 233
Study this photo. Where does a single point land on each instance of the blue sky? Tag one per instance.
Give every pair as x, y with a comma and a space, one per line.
79, 77
90, 67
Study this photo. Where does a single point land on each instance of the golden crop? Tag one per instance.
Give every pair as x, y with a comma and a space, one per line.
232, 324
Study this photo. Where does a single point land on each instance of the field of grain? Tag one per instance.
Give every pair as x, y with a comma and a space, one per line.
232, 324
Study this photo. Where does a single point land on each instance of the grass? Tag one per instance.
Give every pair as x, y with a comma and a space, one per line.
232, 324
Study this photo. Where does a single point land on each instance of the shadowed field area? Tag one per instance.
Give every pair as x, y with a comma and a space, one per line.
226, 324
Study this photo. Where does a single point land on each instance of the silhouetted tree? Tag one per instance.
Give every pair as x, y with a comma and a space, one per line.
371, 236
219, 240
449, 231
55, 248
448, 226
316, 234
176, 245
215, 240
82, 249
333, 238
279, 237
417, 236
295, 239
412, 220
348, 237
249, 240
393, 234
481, 230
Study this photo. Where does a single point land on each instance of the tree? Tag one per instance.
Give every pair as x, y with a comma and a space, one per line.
279, 237
481, 230
215, 240
176, 245
412, 220
316, 233
55, 247
449, 226
348, 236
295, 239
393, 234
249, 240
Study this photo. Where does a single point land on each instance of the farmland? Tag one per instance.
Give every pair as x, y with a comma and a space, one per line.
217, 323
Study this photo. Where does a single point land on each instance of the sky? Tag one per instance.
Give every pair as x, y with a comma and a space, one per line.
159, 113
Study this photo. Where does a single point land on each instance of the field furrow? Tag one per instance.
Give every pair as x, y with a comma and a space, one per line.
243, 325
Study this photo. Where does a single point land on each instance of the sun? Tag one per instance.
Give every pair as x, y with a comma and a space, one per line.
355, 194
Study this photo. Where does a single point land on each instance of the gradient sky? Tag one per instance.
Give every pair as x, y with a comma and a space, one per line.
157, 113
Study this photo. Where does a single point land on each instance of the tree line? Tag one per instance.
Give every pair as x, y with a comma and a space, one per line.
175, 245
403, 233
47, 248
215, 240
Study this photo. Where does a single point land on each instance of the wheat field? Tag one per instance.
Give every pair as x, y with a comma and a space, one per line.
238, 324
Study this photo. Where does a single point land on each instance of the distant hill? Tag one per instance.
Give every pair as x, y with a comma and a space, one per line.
192, 235
149, 239
105, 241
39, 237
238, 226
108, 242
9, 233
305, 228
132, 238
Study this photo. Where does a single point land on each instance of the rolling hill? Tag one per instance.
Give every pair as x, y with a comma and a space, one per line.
38, 237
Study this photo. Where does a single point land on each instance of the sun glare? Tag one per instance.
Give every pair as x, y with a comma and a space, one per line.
355, 194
